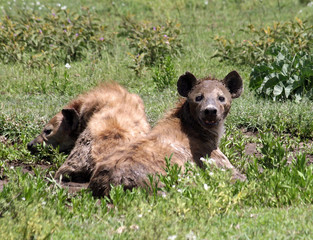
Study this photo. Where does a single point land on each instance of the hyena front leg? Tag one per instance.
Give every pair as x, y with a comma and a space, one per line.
222, 161
79, 165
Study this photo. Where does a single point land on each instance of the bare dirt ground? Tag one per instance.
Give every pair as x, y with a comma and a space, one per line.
250, 149
29, 169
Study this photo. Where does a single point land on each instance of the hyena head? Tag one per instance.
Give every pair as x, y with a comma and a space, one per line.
61, 131
209, 100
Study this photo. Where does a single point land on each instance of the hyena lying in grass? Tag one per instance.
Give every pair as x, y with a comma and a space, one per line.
108, 115
189, 132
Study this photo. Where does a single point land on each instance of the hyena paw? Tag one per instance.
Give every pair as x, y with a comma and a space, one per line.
64, 174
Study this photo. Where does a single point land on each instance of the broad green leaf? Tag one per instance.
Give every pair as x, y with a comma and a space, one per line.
288, 90
280, 57
277, 90
285, 69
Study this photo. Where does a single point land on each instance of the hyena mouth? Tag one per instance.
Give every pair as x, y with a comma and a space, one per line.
209, 122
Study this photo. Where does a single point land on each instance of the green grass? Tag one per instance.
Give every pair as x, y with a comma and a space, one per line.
274, 203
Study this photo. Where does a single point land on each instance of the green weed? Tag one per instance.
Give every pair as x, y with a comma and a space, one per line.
164, 74
287, 76
295, 35
151, 43
44, 38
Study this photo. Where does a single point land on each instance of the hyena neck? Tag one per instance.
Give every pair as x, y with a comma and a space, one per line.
193, 129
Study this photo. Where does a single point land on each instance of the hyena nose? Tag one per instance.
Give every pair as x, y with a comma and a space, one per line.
31, 146
210, 111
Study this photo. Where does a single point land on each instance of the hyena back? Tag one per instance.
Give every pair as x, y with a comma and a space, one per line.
120, 122
64, 128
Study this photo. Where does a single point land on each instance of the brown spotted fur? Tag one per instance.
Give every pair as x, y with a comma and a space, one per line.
188, 132
64, 128
121, 120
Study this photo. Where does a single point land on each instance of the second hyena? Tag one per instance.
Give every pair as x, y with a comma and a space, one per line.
108, 115
64, 128
120, 121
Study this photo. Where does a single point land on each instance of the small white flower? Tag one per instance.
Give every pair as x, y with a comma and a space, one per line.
173, 186
211, 161
23, 198
179, 190
59, 4
140, 215
163, 194
206, 2
173, 237
43, 203
310, 4
134, 227
68, 66
191, 236
38, 3
63, 8
12, 167
121, 229
223, 170
206, 187
300, 11
211, 173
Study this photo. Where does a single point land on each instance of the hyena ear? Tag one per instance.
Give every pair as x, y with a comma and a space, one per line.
71, 117
233, 83
185, 83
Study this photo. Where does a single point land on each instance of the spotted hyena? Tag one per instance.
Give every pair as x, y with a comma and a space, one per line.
64, 128
188, 132
120, 122
108, 115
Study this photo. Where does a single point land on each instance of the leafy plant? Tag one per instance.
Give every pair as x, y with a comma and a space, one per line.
55, 35
273, 153
164, 74
151, 43
172, 171
295, 35
288, 76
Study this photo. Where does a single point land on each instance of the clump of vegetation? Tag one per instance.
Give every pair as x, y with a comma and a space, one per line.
288, 76
151, 43
164, 74
281, 58
50, 37
295, 35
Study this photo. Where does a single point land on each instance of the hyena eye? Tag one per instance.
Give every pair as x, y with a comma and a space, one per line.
199, 98
221, 98
47, 131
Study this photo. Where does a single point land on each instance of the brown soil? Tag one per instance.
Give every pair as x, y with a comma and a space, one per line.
29, 168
